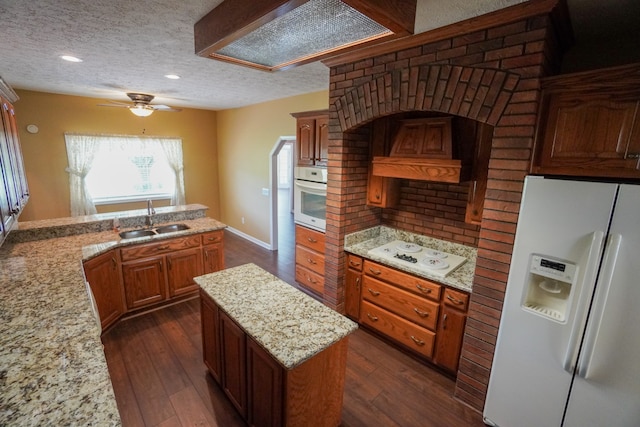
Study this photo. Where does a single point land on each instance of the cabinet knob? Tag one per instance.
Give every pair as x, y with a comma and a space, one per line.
312, 240
310, 261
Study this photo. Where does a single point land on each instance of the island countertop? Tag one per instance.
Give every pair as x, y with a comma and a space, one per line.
52, 367
289, 324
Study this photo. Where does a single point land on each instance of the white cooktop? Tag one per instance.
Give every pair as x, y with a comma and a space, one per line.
423, 259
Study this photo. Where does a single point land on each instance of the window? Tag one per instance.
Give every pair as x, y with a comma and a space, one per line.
114, 169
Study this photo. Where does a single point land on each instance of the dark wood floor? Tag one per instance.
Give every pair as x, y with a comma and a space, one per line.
159, 378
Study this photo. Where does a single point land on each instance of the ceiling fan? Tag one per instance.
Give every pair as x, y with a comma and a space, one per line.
142, 106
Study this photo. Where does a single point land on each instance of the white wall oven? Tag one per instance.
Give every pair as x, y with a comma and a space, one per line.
310, 197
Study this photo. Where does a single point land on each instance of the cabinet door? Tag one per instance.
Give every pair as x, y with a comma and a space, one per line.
234, 370
213, 258
591, 136
103, 275
321, 141
182, 267
265, 387
306, 141
382, 192
210, 318
144, 282
449, 338
352, 293
8, 169
11, 130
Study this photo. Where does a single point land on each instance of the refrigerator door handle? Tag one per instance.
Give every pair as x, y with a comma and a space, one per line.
575, 336
593, 330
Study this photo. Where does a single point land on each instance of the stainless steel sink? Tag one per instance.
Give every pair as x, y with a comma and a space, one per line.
136, 233
171, 228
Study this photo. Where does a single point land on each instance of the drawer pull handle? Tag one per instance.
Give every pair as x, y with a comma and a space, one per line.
310, 261
114, 263
374, 318
355, 264
212, 239
421, 313
444, 322
376, 272
632, 156
417, 341
311, 280
358, 283
423, 289
454, 300
206, 255
312, 240
372, 292
162, 248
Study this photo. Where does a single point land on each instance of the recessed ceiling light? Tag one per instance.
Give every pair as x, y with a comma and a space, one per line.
172, 76
70, 58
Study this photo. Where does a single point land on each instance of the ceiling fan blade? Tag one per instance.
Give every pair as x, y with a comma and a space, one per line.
115, 104
160, 107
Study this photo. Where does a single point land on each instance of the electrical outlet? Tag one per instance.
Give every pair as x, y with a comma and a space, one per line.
265, 191
242, 219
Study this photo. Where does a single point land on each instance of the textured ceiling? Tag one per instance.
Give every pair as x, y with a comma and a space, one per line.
128, 46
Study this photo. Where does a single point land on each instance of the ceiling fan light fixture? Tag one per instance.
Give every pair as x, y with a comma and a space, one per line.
141, 110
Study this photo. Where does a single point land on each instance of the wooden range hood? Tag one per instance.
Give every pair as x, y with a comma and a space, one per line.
421, 149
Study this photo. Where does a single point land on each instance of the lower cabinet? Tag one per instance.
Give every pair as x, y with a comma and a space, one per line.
141, 276
423, 316
103, 275
264, 392
310, 246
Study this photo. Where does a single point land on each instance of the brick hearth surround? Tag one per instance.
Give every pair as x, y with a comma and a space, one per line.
487, 69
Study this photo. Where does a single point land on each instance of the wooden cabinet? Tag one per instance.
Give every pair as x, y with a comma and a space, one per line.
423, 137
423, 316
479, 173
14, 191
589, 124
153, 272
212, 251
182, 267
310, 245
263, 391
103, 275
453, 317
234, 355
353, 285
312, 138
210, 324
382, 191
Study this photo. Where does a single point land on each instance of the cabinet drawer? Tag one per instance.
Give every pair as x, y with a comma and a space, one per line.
408, 334
354, 262
457, 299
409, 282
310, 238
412, 307
310, 259
161, 247
212, 237
310, 279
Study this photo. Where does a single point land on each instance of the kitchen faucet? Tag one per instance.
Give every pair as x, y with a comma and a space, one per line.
150, 212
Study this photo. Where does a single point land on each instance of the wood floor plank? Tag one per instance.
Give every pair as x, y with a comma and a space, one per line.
191, 410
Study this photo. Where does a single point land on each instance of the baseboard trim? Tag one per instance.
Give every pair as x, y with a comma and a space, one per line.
249, 238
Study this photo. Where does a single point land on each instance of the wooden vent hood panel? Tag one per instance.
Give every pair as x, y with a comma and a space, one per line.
422, 150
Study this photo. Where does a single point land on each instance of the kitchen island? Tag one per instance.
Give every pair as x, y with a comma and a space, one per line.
52, 367
258, 329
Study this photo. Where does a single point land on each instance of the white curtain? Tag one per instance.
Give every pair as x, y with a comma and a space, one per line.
81, 150
173, 151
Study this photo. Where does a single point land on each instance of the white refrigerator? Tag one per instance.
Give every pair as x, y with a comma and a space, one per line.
568, 346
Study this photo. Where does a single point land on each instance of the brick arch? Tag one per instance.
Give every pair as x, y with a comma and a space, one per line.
477, 93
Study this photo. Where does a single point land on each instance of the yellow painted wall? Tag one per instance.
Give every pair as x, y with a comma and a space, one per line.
45, 155
246, 137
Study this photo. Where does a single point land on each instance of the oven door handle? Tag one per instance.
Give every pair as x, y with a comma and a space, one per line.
312, 187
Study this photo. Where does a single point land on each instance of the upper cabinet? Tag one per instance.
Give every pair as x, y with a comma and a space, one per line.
312, 138
14, 191
589, 124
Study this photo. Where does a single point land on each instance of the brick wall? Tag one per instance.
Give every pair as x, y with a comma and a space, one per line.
490, 75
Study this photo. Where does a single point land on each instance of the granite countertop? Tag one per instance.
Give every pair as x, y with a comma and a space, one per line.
359, 243
52, 366
289, 324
